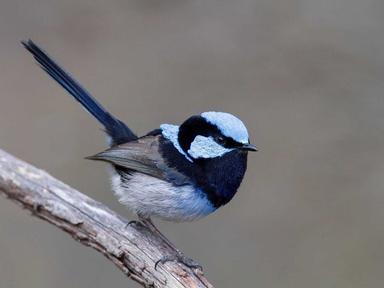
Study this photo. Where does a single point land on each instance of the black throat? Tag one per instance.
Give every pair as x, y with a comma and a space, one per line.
219, 178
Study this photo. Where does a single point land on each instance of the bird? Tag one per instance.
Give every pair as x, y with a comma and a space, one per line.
175, 172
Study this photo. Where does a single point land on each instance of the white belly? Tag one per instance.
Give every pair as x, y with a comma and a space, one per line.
151, 196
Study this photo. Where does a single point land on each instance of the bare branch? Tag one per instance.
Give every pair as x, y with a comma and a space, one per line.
133, 249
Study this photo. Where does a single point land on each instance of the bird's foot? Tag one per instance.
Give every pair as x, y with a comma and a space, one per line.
179, 257
176, 256
133, 222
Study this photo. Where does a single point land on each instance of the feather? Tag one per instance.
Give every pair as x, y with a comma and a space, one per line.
142, 156
117, 130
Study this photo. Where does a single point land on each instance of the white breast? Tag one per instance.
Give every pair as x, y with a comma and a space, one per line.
151, 196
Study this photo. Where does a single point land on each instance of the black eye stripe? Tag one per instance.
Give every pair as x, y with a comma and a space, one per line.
197, 125
230, 143
192, 127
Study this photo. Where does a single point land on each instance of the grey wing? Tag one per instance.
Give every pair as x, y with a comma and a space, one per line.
141, 155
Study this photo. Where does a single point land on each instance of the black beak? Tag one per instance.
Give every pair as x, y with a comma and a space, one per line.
248, 147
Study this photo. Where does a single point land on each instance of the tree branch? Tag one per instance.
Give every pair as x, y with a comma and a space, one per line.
133, 249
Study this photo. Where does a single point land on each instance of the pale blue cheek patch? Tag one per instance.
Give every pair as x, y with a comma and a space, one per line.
206, 147
171, 133
201, 147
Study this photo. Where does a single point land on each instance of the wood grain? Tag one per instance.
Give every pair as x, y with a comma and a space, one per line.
133, 248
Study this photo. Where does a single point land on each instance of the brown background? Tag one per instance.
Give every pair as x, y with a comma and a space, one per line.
305, 76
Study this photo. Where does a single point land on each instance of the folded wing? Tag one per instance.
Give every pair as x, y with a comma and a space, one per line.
142, 155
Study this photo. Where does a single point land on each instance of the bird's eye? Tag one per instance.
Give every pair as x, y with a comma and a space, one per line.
220, 139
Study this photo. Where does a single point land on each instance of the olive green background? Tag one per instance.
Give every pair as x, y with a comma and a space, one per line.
305, 76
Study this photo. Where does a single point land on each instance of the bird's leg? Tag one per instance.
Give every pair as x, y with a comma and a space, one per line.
178, 256
149, 224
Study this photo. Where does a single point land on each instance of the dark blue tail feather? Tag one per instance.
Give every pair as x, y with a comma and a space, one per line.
116, 129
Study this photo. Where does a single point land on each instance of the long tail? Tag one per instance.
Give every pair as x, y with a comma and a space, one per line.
117, 130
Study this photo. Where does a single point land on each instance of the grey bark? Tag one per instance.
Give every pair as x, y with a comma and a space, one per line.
133, 249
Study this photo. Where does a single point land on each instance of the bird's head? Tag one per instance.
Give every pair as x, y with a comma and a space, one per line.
213, 134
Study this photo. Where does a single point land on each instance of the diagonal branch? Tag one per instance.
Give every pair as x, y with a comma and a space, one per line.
133, 249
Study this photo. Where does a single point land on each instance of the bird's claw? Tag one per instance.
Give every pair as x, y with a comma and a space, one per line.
179, 257
133, 222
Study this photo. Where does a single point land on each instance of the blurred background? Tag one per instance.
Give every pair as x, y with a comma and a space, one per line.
305, 76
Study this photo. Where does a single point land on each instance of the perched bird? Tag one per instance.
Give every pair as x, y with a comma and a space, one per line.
177, 173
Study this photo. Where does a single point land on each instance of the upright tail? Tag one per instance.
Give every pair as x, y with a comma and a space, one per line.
117, 130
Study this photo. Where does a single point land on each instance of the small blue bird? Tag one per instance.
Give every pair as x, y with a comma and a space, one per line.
177, 173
